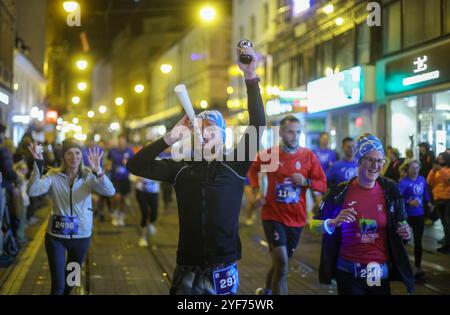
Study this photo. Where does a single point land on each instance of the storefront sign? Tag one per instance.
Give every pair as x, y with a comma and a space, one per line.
341, 89
422, 68
4, 98
51, 117
287, 101
21, 119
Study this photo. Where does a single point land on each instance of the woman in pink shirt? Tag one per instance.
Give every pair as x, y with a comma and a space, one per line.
363, 222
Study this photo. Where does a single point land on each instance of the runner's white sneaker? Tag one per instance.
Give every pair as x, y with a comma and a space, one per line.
143, 242
121, 220
114, 218
263, 291
249, 222
151, 229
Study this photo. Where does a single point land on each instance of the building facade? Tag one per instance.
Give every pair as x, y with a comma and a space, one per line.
327, 50
199, 59
7, 38
255, 21
29, 96
348, 69
413, 76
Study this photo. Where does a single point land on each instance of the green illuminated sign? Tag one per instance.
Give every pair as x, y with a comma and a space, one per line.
423, 68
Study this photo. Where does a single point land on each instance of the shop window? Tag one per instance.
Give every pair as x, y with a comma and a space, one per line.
362, 44
359, 122
252, 28
404, 114
421, 21
344, 50
294, 73
241, 32
266, 16
300, 70
446, 15
441, 103
391, 28
284, 74
310, 64
324, 59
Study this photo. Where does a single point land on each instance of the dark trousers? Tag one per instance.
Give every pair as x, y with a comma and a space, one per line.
443, 208
417, 223
347, 284
56, 252
102, 201
166, 190
148, 203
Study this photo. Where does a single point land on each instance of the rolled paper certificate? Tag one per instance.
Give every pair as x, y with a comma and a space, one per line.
185, 101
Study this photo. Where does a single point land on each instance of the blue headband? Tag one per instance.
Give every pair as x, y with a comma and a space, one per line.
217, 118
366, 145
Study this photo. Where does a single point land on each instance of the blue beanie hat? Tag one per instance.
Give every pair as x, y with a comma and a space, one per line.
367, 144
217, 118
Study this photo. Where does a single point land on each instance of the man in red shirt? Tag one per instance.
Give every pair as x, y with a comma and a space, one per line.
284, 209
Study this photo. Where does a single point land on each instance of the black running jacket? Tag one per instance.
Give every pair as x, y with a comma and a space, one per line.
208, 194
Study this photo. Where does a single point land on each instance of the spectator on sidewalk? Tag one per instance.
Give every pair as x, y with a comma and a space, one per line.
6, 189
439, 180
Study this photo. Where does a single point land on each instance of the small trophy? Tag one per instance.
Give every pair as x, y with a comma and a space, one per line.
244, 58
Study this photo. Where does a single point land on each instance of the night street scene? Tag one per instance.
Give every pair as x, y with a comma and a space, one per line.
252, 148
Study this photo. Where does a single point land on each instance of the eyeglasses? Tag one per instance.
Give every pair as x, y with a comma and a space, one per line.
371, 160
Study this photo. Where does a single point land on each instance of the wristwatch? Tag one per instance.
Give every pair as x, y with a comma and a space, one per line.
98, 175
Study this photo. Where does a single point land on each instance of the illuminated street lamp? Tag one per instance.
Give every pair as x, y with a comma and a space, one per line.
139, 88
75, 100
339, 21
328, 9
82, 64
102, 109
300, 6
328, 71
119, 101
207, 14
75, 120
90, 114
166, 68
70, 6
203, 104
82, 86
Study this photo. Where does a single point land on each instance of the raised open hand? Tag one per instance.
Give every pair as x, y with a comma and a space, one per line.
95, 157
36, 150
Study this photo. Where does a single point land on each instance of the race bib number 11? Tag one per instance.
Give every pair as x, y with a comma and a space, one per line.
287, 193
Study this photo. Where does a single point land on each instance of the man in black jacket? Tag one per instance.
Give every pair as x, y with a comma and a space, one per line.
363, 222
209, 193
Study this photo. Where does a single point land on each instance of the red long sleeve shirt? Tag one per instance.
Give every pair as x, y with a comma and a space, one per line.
302, 161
